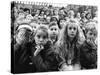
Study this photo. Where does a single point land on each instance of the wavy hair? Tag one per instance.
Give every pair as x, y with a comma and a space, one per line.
63, 43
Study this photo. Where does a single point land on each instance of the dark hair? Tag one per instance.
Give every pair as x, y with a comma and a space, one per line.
52, 24
87, 15
26, 9
59, 22
53, 19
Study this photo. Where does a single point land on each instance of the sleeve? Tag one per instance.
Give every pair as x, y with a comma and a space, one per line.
51, 62
41, 66
89, 52
54, 60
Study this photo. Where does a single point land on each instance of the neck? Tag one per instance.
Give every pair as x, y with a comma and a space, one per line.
70, 40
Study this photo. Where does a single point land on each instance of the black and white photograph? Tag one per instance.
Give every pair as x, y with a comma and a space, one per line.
53, 37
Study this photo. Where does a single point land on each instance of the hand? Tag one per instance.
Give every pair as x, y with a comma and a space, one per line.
65, 67
91, 42
38, 49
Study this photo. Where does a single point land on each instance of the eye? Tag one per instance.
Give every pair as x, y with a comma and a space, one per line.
74, 28
51, 29
44, 37
55, 29
70, 28
90, 33
38, 36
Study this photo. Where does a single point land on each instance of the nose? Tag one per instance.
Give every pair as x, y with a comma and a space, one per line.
41, 39
72, 30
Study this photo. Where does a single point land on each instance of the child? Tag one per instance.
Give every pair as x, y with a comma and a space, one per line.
22, 60
53, 32
68, 45
22, 33
44, 58
62, 22
88, 57
34, 26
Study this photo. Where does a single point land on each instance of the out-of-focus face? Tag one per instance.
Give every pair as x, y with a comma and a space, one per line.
62, 23
72, 30
61, 12
21, 15
23, 36
34, 26
56, 12
53, 31
90, 35
89, 16
48, 19
78, 15
83, 14
26, 12
38, 11
41, 37
71, 14
42, 13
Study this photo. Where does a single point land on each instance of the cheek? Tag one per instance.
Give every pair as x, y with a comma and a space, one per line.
75, 31
36, 39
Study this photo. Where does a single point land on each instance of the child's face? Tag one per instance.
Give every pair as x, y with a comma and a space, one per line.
62, 23
34, 26
41, 37
90, 35
48, 19
53, 30
72, 30
78, 14
56, 12
22, 36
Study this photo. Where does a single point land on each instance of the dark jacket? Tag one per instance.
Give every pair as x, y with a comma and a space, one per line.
88, 55
22, 58
47, 60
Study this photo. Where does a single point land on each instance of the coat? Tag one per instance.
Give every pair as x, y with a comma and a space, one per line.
88, 56
47, 60
22, 58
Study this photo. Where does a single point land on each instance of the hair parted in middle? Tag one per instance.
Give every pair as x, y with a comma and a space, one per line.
63, 40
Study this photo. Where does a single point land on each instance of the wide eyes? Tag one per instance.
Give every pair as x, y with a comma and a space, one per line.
70, 28
74, 28
43, 37
53, 29
91, 34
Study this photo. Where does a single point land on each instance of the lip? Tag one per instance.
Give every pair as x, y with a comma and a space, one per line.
72, 34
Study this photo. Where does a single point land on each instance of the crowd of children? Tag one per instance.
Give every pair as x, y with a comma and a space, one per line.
53, 39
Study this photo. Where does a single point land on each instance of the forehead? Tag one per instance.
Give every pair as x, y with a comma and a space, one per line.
41, 33
91, 31
72, 25
34, 25
54, 27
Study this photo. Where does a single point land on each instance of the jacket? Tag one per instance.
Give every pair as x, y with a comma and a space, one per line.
88, 55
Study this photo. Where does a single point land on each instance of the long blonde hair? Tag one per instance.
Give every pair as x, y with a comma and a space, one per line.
63, 40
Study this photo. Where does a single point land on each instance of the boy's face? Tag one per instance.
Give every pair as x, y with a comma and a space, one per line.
23, 36
41, 37
90, 35
53, 30
72, 30
62, 23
